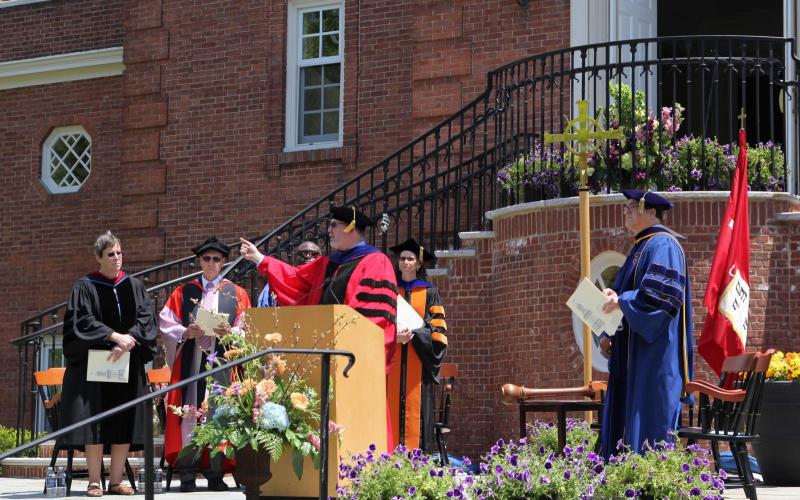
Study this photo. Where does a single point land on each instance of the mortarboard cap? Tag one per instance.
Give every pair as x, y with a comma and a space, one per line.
412, 246
647, 199
352, 217
212, 243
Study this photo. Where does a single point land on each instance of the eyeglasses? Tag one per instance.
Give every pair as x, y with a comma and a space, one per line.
630, 209
209, 258
334, 224
308, 253
111, 255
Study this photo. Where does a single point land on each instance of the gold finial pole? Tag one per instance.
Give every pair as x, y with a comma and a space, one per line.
741, 118
579, 136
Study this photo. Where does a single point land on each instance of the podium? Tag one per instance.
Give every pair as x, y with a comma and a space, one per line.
358, 401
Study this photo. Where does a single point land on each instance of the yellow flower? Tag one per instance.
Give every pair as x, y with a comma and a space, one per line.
299, 401
247, 386
265, 388
273, 337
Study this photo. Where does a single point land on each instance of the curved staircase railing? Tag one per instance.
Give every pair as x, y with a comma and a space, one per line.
444, 181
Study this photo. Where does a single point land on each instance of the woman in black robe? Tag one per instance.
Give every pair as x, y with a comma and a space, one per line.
422, 360
110, 311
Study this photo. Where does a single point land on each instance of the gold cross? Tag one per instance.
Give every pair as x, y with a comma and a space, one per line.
582, 137
741, 118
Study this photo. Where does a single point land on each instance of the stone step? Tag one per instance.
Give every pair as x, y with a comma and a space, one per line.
36, 467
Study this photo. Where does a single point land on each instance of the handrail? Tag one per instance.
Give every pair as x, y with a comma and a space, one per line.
146, 402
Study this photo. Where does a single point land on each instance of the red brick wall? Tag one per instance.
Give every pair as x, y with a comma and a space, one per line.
47, 239
506, 307
59, 27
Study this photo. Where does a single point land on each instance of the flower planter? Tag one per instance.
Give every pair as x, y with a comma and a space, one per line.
252, 470
776, 450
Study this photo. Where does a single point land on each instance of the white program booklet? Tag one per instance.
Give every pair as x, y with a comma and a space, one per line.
587, 303
208, 320
407, 317
101, 369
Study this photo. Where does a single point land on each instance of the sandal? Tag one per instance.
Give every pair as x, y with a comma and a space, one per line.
94, 490
120, 489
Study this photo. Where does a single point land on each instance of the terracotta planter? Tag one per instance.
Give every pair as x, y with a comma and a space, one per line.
252, 470
776, 451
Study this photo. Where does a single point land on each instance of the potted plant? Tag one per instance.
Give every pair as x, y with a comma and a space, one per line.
776, 450
267, 408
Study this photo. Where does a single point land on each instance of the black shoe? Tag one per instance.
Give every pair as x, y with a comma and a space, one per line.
217, 485
188, 486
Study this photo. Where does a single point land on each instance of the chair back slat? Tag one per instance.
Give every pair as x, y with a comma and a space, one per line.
158, 375
760, 374
447, 379
51, 376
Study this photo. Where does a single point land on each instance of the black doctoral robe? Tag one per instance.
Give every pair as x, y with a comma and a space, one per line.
98, 307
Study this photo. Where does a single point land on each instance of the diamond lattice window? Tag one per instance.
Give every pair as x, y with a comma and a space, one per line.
66, 159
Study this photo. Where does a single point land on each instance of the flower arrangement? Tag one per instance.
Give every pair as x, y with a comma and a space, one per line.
784, 366
530, 468
267, 406
651, 154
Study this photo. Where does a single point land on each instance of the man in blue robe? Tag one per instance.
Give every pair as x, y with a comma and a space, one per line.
651, 355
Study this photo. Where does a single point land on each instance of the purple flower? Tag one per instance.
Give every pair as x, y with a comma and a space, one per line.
695, 492
411, 491
630, 493
513, 459
212, 359
705, 477
685, 467
723, 474
567, 474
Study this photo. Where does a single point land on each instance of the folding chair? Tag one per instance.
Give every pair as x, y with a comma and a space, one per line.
46, 382
447, 375
156, 377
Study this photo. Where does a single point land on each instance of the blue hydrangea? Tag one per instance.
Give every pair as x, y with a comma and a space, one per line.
273, 416
223, 413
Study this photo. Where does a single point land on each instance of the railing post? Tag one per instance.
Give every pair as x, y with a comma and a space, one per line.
324, 389
149, 473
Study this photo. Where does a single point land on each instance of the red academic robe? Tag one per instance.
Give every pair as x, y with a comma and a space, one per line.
363, 279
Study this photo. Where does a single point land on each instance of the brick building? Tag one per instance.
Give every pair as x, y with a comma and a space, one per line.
229, 117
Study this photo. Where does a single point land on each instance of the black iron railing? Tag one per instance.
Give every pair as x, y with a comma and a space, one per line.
489, 153
147, 405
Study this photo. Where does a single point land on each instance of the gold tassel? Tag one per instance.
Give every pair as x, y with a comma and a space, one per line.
352, 225
421, 249
642, 202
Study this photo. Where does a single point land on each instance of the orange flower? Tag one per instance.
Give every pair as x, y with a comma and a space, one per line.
279, 364
265, 388
232, 354
273, 337
247, 386
299, 401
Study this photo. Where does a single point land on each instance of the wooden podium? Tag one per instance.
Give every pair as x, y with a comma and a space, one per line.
358, 401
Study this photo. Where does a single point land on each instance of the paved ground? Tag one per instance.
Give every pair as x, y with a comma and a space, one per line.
32, 488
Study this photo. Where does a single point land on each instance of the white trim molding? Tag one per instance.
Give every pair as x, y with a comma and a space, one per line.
61, 68
5, 4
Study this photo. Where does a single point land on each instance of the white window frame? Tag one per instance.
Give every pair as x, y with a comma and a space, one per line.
47, 146
598, 265
293, 66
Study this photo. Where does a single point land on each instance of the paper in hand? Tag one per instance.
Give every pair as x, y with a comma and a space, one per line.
587, 303
407, 317
101, 369
208, 320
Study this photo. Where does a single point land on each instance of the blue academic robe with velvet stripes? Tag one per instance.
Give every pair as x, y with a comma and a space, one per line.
652, 353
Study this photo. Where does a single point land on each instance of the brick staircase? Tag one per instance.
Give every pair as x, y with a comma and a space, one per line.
36, 467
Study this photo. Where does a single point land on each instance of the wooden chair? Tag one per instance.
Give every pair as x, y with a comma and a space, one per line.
47, 382
730, 412
447, 375
156, 377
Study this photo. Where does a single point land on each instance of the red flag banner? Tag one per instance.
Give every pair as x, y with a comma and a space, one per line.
728, 292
